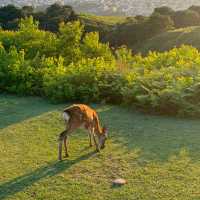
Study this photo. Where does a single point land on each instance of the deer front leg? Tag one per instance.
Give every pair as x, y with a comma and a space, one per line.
90, 138
95, 141
96, 144
89, 130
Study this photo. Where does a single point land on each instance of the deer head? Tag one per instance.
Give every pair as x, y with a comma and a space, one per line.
102, 137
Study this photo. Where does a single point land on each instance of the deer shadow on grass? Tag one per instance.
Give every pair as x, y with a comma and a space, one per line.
20, 183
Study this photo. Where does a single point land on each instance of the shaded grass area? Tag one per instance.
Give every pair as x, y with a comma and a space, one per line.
158, 156
14, 109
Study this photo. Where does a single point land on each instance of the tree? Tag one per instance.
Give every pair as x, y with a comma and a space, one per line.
164, 10
49, 19
195, 8
54, 15
159, 23
186, 18
70, 36
27, 11
8, 16
92, 47
28, 24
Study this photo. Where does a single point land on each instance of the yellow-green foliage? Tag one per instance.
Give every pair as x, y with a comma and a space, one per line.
166, 82
80, 81
75, 66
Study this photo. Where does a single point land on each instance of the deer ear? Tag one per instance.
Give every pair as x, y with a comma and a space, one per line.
104, 129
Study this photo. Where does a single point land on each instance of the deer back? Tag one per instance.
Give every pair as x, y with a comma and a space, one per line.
81, 113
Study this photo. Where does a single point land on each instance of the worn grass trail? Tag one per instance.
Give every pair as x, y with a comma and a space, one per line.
158, 156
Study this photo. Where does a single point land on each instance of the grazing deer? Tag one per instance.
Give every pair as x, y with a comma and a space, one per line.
79, 115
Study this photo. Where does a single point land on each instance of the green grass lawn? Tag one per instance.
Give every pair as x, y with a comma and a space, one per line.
158, 156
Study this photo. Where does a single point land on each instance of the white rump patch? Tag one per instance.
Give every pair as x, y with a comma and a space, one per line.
66, 116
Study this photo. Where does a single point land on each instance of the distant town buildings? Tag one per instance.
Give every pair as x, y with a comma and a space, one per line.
126, 7
33, 3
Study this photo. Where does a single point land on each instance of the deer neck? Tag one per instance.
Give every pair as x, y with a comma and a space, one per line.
98, 129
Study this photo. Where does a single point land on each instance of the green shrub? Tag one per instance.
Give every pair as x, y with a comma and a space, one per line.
29, 38
69, 39
91, 47
17, 75
76, 82
165, 82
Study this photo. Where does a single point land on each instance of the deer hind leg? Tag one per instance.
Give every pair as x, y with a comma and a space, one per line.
90, 135
65, 146
95, 141
61, 139
90, 138
89, 130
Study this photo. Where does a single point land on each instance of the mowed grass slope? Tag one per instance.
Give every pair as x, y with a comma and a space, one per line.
158, 156
106, 20
171, 39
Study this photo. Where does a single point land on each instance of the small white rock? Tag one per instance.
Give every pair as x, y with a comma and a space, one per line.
119, 181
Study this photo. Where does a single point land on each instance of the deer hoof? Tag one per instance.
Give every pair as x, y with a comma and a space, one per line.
98, 150
66, 155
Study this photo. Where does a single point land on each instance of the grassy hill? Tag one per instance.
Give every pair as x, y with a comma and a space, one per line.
158, 156
107, 20
102, 24
161, 42
170, 39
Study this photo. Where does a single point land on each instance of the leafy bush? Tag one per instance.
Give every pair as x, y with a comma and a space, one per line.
8, 16
69, 41
92, 47
78, 82
166, 82
17, 75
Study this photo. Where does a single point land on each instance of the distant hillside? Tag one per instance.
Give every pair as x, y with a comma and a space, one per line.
170, 39
141, 33
106, 20
102, 24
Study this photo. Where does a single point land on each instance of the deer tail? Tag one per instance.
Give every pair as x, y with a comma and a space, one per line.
66, 116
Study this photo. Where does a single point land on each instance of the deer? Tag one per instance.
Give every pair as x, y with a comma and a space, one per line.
78, 116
